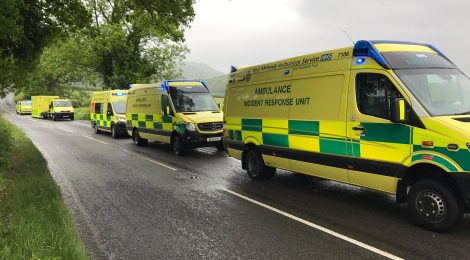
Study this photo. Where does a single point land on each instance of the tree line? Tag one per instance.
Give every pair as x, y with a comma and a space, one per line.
53, 46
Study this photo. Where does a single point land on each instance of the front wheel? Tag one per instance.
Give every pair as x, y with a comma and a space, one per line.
434, 206
137, 139
113, 132
221, 146
256, 168
177, 145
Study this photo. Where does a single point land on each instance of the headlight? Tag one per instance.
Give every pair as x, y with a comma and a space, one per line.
191, 127
121, 118
468, 145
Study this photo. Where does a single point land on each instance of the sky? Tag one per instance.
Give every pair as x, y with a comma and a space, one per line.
250, 32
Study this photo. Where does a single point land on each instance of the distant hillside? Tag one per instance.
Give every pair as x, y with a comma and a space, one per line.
215, 79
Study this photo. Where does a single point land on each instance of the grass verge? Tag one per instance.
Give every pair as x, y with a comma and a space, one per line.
82, 113
34, 222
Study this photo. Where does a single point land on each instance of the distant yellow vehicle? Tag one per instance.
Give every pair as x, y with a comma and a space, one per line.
40, 105
179, 112
390, 116
108, 112
60, 109
23, 107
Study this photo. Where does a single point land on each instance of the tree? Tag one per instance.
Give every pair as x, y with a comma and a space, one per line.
27, 26
138, 40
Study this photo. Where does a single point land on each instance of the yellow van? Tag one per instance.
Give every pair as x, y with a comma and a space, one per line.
23, 107
390, 116
108, 112
179, 112
40, 105
60, 109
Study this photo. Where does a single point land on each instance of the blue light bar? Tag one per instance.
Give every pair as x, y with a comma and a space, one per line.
366, 48
286, 72
119, 94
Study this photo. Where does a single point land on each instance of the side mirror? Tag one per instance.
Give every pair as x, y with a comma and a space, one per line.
221, 106
399, 111
167, 110
109, 113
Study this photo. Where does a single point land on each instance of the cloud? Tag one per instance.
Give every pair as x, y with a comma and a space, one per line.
258, 31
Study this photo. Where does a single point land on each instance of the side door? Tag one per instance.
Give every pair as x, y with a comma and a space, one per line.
377, 146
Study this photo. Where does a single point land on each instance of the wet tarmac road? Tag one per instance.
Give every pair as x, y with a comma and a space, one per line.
132, 202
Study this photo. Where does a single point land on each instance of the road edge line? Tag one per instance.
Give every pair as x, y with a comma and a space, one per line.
91, 138
318, 227
151, 160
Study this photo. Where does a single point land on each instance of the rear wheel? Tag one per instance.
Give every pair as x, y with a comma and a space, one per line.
177, 145
256, 168
97, 130
137, 139
434, 206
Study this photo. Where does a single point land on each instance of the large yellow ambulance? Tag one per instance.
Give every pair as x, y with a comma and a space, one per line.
23, 107
179, 112
40, 105
60, 109
390, 116
108, 112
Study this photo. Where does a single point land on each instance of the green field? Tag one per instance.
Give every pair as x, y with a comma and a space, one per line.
34, 222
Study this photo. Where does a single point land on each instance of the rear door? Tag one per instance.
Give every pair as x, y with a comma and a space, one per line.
377, 147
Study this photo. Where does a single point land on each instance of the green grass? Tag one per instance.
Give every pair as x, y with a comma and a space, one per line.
34, 222
82, 113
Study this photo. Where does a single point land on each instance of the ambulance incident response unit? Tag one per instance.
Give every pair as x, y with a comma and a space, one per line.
179, 112
391, 116
108, 112
23, 107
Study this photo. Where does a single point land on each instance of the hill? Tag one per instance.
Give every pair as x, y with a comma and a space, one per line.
215, 79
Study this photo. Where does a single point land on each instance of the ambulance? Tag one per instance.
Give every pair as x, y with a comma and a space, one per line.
386, 115
179, 112
108, 112
23, 107
60, 109
40, 105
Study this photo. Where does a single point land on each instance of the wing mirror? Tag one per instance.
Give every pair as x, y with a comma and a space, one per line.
399, 111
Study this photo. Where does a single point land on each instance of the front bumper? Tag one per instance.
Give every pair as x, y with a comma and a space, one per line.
121, 128
195, 140
61, 115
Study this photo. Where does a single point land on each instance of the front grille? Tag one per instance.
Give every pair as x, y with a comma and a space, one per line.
214, 126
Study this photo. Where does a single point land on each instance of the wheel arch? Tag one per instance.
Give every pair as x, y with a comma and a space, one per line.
246, 148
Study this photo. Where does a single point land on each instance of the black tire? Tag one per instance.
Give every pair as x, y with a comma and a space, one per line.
221, 146
54, 117
97, 130
177, 146
139, 141
114, 134
434, 206
72, 117
256, 168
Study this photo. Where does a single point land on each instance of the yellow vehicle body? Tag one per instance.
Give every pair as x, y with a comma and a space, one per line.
107, 111
179, 112
23, 107
331, 115
40, 105
60, 109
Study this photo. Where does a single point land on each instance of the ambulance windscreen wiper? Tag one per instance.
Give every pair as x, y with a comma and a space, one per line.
463, 113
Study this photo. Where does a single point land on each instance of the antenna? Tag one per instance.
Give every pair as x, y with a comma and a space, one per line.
349, 37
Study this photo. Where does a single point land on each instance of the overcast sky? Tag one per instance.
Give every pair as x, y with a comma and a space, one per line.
249, 32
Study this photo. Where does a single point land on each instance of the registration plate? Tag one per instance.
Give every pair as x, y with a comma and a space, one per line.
214, 139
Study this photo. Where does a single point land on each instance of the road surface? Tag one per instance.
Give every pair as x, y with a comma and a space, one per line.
132, 202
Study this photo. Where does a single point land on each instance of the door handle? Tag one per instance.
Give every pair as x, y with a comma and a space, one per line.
359, 128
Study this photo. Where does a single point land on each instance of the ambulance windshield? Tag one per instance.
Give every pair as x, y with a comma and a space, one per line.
192, 99
119, 107
441, 91
62, 104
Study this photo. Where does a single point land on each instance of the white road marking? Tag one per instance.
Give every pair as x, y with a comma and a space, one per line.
63, 129
318, 227
151, 160
94, 139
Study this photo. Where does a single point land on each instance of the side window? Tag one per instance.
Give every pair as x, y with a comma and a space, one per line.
99, 108
165, 102
110, 110
375, 95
